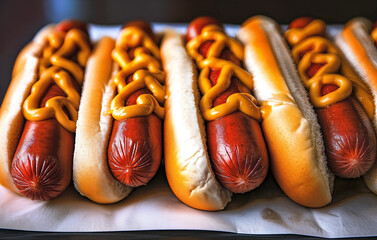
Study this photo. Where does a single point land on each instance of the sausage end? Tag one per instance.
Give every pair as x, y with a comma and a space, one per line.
37, 178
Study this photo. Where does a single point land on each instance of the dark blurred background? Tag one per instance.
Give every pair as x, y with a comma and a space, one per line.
21, 19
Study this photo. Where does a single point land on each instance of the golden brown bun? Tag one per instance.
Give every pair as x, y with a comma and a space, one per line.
357, 45
187, 163
25, 74
91, 174
289, 124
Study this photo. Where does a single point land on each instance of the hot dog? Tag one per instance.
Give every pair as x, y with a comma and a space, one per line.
283, 86
357, 41
350, 142
135, 146
120, 117
39, 111
237, 159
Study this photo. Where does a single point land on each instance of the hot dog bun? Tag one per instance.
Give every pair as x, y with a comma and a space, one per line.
118, 144
358, 47
91, 174
11, 118
289, 124
187, 163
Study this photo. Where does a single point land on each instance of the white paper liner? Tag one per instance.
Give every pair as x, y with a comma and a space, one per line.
265, 210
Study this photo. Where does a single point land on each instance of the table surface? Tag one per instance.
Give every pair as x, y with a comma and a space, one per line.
161, 234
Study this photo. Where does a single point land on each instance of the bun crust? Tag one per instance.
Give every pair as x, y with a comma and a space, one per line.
91, 174
187, 163
289, 124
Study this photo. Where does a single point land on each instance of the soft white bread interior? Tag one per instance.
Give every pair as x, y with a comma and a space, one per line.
187, 163
91, 174
25, 74
356, 44
289, 124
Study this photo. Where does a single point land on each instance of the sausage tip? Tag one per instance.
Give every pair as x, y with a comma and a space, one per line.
35, 178
355, 159
132, 162
241, 179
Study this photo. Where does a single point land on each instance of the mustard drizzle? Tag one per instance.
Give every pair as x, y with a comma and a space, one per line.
56, 66
316, 27
373, 34
316, 49
146, 70
242, 101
